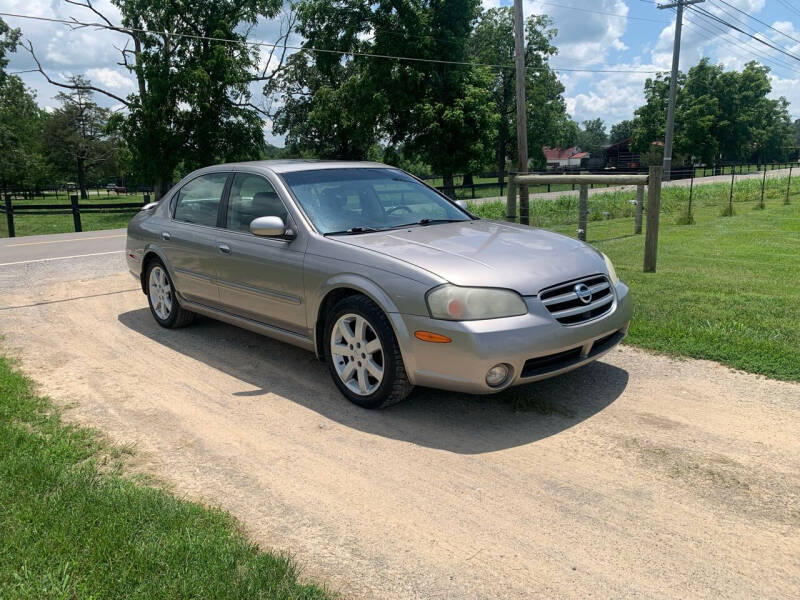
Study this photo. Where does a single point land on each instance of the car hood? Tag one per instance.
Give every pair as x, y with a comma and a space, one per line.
487, 254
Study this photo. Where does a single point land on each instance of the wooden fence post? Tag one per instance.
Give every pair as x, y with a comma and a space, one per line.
511, 200
788, 186
10, 216
653, 213
583, 202
524, 206
637, 223
730, 199
763, 185
76, 212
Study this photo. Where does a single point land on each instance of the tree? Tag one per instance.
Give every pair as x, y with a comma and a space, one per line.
649, 119
698, 113
342, 105
720, 115
22, 163
192, 104
544, 93
492, 42
593, 136
443, 113
78, 141
621, 131
567, 134
8, 44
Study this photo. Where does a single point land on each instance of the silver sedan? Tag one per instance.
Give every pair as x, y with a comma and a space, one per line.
384, 278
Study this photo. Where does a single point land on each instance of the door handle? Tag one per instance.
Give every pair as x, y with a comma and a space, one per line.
224, 248
165, 235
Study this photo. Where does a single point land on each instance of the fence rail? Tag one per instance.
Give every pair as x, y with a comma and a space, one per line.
75, 208
500, 183
518, 188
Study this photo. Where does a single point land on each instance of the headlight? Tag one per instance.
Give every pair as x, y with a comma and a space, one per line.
455, 303
611, 272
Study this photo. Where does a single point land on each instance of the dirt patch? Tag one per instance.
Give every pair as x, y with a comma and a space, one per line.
635, 476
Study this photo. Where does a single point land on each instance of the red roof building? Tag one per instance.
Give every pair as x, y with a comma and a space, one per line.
564, 157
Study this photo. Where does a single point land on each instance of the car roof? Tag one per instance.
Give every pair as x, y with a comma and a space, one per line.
306, 164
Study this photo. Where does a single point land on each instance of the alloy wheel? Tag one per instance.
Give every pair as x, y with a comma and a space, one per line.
160, 292
357, 354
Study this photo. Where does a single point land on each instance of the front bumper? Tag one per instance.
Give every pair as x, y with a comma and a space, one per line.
535, 345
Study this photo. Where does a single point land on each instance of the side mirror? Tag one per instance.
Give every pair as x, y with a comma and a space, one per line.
267, 227
462, 204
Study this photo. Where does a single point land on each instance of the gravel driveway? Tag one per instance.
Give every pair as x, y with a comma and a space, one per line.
638, 476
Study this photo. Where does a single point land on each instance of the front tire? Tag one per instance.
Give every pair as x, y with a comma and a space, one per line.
161, 296
363, 355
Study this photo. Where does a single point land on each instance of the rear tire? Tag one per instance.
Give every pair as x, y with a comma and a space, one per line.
163, 300
363, 355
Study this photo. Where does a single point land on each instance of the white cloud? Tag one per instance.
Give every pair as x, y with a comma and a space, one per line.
110, 78
584, 37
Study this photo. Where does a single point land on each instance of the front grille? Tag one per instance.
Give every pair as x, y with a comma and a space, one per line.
565, 304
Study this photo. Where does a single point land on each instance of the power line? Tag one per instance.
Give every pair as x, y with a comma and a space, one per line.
721, 31
578, 8
760, 21
740, 30
600, 12
716, 30
789, 6
76, 23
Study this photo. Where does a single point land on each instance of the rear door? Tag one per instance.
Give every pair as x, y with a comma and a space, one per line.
190, 240
260, 278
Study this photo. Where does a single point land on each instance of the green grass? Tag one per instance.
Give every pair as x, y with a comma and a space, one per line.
73, 527
726, 288
36, 224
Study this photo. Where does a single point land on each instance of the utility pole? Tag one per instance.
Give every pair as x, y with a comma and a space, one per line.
522, 114
673, 82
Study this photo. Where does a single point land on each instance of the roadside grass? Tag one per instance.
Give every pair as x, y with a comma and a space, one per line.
726, 287
36, 224
73, 527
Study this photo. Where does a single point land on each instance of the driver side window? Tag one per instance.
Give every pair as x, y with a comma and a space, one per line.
198, 201
402, 198
251, 197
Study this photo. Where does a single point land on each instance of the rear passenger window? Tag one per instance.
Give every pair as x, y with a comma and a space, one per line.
251, 197
198, 201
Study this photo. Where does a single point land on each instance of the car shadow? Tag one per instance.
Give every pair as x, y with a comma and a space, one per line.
461, 423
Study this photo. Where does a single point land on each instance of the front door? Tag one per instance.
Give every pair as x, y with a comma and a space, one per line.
189, 239
260, 278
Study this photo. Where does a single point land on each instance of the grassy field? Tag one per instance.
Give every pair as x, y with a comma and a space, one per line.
726, 287
36, 224
72, 527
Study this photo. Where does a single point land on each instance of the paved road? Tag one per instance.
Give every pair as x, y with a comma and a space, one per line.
60, 246
638, 476
624, 188
32, 260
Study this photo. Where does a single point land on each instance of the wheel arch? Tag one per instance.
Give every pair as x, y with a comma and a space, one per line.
342, 287
152, 253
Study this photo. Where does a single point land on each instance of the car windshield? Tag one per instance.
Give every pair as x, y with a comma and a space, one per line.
351, 201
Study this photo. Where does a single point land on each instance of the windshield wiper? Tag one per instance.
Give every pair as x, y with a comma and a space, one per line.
353, 231
428, 222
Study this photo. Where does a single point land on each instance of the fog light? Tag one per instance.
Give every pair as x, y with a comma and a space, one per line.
497, 375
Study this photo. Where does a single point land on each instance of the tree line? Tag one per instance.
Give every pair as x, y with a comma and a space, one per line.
428, 86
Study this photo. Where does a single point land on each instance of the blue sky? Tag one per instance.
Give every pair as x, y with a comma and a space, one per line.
633, 36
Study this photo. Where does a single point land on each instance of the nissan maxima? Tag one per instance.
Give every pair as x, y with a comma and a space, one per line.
388, 281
